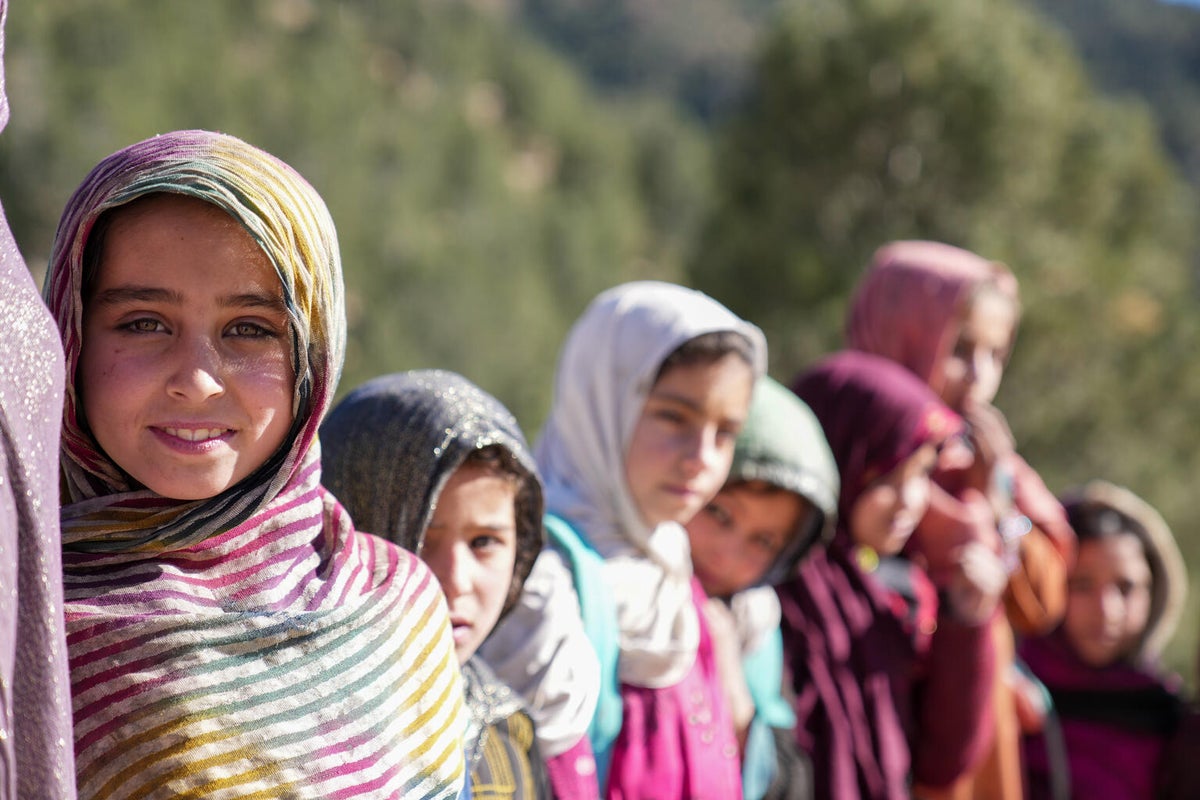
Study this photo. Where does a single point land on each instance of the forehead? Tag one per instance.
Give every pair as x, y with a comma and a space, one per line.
991, 315
150, 235
1120, 553
727, 378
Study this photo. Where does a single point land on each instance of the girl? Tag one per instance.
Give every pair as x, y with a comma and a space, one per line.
230, 633
779, 501
439, 467
890, 685
950, 317
1116, 707
653, 385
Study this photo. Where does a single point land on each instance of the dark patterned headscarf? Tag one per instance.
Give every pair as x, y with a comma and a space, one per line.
392, 444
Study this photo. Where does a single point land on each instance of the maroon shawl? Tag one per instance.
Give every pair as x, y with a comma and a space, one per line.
879, 699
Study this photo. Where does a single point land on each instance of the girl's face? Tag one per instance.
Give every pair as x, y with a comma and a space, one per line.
186, 369
740, 534
682, 444
971, 372
888, 510
471, 546
1108, 599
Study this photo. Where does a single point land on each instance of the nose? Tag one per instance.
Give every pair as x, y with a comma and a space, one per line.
196, 373
701, 450
452, 566
1111, 604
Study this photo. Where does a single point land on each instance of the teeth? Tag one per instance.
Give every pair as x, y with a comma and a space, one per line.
196, 434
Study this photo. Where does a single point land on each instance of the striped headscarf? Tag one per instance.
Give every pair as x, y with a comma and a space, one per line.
253, 644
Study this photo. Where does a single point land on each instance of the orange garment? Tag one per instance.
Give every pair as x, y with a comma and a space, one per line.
1034, 602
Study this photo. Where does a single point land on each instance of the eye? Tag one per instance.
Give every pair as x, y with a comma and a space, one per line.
143, 325
728, 433
719, 515
487, 545
251, 330
764, 544
669, 416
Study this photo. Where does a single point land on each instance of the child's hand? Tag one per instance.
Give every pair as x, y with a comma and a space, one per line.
990, 434
728, 652
977, 584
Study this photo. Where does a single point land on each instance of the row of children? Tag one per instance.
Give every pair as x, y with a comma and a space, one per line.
230, 631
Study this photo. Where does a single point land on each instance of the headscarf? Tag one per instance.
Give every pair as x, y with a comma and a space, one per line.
909, 307
839, 622
874, 416
35, 696
782, 444
1168, 575
265, 646
393, 443
605, 372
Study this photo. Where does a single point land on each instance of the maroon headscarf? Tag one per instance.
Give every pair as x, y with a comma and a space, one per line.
856, 642
875, 414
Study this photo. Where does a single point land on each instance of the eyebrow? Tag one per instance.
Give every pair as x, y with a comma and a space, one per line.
147, 294
686, 402
671, 397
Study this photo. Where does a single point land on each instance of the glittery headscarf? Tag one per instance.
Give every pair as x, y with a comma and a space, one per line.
605, 373
289, 221
255, 643
391, 445
36, 758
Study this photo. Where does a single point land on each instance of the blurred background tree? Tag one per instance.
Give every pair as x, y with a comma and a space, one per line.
492, 164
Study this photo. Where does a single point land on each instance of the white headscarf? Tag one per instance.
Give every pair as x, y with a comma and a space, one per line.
605, 373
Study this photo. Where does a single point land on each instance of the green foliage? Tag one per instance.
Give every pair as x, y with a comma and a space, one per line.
972, 123
482, 194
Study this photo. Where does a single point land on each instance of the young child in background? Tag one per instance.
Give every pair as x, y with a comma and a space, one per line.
950, 317
433, 463
1116, 707
653, 386
229, 630
891, 685
779, 501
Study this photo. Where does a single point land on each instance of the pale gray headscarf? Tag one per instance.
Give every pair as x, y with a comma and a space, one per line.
605, 373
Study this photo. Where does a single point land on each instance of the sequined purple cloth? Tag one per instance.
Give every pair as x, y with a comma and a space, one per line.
36, 756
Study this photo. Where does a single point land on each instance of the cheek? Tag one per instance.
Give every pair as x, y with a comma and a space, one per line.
494, 581
1137, 613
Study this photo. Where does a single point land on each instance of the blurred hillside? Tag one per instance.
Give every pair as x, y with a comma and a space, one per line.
1063, 145
492, 164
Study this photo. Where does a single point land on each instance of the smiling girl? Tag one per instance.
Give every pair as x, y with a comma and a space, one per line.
229, 630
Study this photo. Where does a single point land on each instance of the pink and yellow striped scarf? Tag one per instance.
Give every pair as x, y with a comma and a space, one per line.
253, 644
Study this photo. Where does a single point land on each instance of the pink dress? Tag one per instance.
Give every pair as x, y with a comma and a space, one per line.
678, 741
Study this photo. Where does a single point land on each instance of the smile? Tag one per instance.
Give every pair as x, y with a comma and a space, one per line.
196, 434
